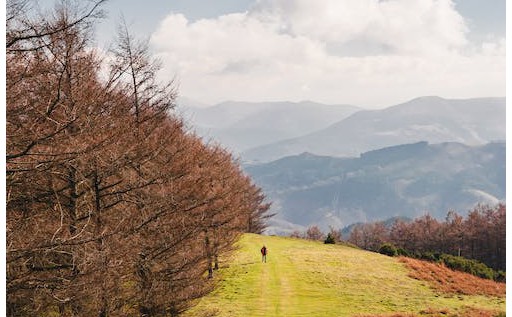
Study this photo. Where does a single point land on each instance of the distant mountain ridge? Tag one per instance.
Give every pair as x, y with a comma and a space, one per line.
406, 180
338, 165
244, 125
433, 119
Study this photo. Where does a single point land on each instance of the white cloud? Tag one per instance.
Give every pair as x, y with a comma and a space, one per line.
363, 52
403, 25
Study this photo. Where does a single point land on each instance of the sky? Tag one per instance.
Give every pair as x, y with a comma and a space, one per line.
368, 53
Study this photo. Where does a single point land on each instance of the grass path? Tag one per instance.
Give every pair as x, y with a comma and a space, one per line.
305, 278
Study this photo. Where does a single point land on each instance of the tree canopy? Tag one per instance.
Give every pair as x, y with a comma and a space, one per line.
113, 207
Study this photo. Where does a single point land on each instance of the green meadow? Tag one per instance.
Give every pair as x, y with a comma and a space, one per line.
307, 278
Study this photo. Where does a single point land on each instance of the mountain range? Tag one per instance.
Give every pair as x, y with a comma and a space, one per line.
241, 126
405, 180
432, 119
340, 164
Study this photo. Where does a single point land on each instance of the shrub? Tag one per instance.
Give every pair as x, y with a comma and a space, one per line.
388, 249
469, 266
430, 256
500, 276
330, 239
403, 252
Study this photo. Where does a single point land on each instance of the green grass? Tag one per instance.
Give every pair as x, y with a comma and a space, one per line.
306, 278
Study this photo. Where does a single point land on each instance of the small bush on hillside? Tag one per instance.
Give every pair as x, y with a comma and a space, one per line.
330, 239
430, 256
336, 234
388, 249
403, 252
469, 266
500, 276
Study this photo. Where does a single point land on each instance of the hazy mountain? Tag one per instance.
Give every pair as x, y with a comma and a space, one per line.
243, 125
406, 180
388, 223
189, 103
432, 119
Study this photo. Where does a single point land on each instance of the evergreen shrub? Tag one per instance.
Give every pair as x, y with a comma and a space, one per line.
329, 239
388, 249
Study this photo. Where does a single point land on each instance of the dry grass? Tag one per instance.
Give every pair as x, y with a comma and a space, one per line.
469, 312
475, 312
448, 281
392, 315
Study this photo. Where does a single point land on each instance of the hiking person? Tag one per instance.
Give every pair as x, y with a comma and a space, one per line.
264, 254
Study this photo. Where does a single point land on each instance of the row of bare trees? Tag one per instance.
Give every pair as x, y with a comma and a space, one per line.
480, 235
313, 232
113, 208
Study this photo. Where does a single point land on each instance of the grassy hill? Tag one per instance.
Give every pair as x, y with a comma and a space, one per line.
306, 278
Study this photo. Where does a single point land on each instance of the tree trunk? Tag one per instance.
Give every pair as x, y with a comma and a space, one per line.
100, 245
216, 258
208, 256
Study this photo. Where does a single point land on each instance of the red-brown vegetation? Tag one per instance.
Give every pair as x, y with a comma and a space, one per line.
448, 281
430, 312
390, 315
479, 236
112, 207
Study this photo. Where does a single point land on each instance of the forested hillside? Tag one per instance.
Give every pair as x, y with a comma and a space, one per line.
480, 236
407, 180
111, 205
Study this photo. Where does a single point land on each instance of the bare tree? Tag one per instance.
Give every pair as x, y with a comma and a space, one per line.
480, 236
110, 201
314, 233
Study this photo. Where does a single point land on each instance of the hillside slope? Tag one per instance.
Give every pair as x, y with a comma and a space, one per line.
305, 278
407, 180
